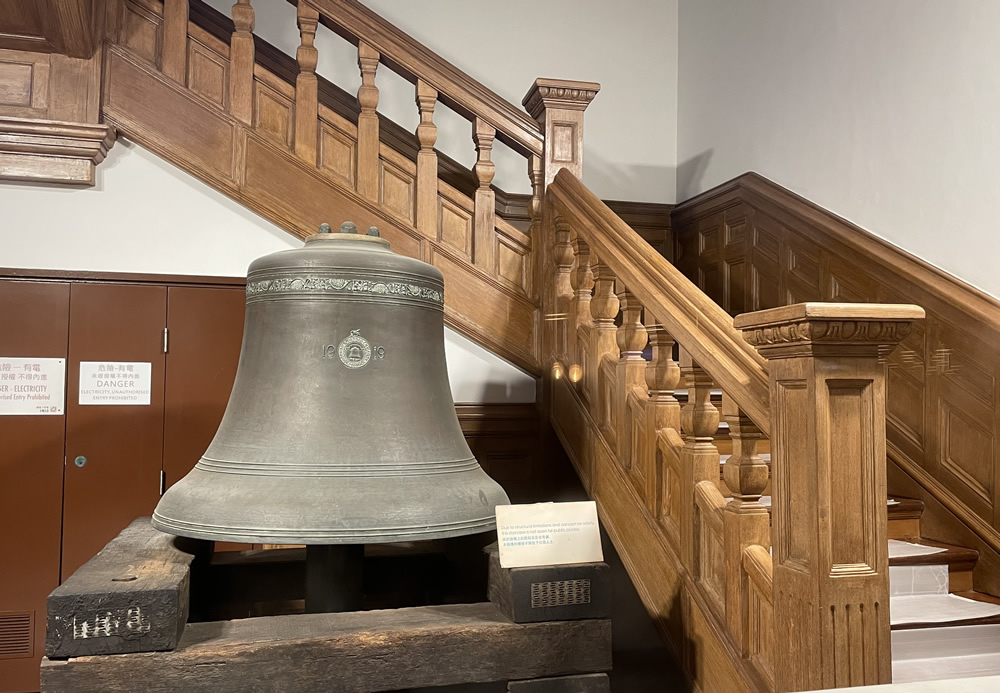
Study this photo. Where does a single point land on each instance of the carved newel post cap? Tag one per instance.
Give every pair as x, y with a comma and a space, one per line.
558, 93
846, 328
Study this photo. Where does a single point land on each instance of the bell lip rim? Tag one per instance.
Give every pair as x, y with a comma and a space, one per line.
482, 526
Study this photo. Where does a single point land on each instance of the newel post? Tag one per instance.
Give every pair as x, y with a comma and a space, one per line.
558, 106
831, 575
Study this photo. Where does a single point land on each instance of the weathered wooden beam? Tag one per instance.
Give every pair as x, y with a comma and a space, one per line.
133, 596
357, 652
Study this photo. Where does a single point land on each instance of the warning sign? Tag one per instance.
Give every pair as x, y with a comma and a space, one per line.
107, 382
32, 387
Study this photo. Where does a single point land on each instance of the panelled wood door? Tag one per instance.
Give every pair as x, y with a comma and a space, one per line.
205, 328
33, 323
119, 446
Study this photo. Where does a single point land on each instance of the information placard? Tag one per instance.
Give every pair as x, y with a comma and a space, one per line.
548, 534
32, 387
115, 382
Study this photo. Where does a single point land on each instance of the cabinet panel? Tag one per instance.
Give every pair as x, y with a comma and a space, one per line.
35, 319
122, 444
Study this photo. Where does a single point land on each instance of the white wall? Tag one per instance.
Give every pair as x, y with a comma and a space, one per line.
886, 112
629, 46
144, 215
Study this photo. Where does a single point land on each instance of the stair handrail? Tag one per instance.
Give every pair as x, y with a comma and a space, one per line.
412, 60
686, 312
810, 376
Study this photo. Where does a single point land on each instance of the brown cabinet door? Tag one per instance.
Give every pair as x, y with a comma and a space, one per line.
34, 322
113, 451
206, 330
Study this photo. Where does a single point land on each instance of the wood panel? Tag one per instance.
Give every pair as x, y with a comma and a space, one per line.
943, 402
120, 445
140, 99
35, 317
70, 27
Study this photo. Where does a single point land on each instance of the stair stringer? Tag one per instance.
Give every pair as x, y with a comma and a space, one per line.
199, 137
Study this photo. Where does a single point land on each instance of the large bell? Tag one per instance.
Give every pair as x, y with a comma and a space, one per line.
341, 428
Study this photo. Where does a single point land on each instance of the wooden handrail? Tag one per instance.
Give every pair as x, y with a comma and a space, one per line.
687, 313
413, 60
757, 564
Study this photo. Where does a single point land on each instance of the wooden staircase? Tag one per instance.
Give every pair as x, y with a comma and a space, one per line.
235, 124
934, 609
577, 297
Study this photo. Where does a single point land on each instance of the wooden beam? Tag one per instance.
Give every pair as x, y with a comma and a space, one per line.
359, 652
130, 597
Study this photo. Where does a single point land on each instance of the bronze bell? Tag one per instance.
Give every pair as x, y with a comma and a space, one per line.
341, 428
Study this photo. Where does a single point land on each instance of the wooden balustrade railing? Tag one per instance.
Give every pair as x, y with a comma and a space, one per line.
459, 232
810, 376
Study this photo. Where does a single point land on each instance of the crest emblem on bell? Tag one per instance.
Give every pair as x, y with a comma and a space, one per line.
333, 439
355, 351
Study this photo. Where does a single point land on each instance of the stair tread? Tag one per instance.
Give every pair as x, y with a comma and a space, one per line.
957, 602
951, 555
905, 508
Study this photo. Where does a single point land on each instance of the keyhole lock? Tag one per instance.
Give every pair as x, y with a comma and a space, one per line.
80, 461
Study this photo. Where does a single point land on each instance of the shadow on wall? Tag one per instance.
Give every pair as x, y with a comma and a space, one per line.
690, 174
633, 183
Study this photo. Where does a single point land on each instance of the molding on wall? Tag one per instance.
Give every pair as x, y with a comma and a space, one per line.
751, 244
52, 151
118, 277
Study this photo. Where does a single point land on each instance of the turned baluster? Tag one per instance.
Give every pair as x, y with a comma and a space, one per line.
427, 163
582, 283
631, 338
562, 296
662, 408
368, 145
699, 458
604, 309
306, 85
175, 34
745, 522
241, 59
484, 235
535, 174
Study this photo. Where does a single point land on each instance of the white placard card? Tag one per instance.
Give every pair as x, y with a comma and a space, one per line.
107, 382
548, 534
32, 387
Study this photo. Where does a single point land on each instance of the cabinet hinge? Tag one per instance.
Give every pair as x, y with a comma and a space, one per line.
166, 340
163, 482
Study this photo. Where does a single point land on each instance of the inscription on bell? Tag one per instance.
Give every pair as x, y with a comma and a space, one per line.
354, 351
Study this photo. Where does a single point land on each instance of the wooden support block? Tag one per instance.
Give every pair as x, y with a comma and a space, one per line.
357, 652
585, 683
550, 593
133, 596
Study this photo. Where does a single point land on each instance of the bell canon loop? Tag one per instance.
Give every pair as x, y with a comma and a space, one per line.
341, 428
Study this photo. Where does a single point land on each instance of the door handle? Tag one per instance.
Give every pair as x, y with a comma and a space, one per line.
80, 461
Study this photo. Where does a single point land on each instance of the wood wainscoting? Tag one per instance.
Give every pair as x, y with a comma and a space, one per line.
751, 244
